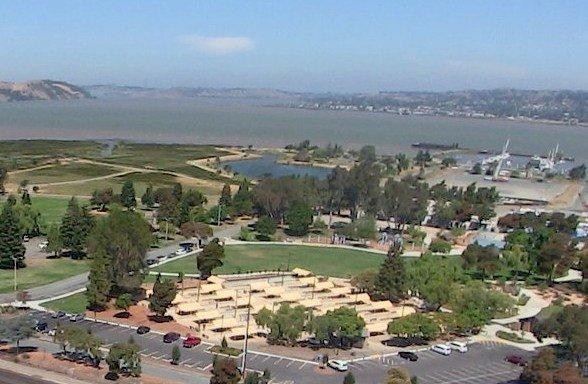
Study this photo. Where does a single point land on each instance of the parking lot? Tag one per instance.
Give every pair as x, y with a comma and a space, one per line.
483, 363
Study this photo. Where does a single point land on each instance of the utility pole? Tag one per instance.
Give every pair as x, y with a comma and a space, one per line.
244, 362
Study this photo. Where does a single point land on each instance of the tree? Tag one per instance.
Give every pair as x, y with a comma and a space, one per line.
480, 304
124, 301
177, 191
164, 292
243, 199
266, 226
224, 371
484, 258
124, 356
102, 198
349, 378
30, 219
75, 226
54, 240
578, 173
176, 355
477, 169
398, 376
16, 329
225, 197
286, 324
121, 241
414, 325
448, 162
127, 195
195, 229
391, 279
365, 281
99, 280
25, 199
402, 162
299, 218
210, 257
3, 178
11, 243
440, 246
148, 198
342, 323
406, 201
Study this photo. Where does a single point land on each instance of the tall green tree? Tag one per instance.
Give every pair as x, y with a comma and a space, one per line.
343, 322
243, 199
164, 292
225, 197
99, 280
391, 279
25, 199
127, 195
3, 178
124, 357
75, 226
122, 239
299, 218
11, 242
16, 329
287, 323
148, 198
224, 371
210, 257
54, 240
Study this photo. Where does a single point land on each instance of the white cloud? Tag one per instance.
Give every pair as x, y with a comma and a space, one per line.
222, 45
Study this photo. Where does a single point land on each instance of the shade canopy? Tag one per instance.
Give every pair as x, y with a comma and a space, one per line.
208, 288
187, 308
207, 315
215, 280
301, 272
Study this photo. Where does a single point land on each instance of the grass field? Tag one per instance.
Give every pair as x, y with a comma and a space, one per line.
168, 157
40, 272
321, 260
140, 182
52, 208
18, 154
75, 303
63, 172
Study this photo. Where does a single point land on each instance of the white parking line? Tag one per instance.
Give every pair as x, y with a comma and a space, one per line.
277, 361
185, 361
267, 357
483, 376
302, 366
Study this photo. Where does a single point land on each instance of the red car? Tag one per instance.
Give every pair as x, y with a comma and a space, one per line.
516, 359
191, 341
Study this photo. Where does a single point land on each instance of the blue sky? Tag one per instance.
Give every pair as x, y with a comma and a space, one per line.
299, 45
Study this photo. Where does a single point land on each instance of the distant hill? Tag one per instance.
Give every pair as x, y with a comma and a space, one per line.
121, 91
41, 90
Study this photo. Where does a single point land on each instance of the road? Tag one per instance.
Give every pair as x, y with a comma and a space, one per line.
9, 377
79, 281
482, 364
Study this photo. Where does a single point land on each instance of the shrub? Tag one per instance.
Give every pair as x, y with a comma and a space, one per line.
511, 336
440, 246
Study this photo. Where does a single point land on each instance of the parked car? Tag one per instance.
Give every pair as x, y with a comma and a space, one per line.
516, 359
459, 346
443, 349
143, 330
51, 332
170, 337
122, 315
180, 252
408, 355
112, 376
43, 245
58, 314
191, 341
338, 365
151, 261
41, 326
76, 318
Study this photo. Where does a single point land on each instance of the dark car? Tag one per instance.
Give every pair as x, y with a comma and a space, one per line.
112, 376
122, 315
516, 359
400, 342
41, 326
408, 355
151, 261
170, 337
143, 330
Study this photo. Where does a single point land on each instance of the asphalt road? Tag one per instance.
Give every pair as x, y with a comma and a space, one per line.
9, 377
482, 364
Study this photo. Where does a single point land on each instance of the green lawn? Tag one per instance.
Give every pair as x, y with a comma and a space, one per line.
41, 272
75, 303
321, 260
52, 208
63, 172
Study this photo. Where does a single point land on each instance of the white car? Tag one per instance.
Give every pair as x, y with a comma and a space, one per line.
181, 252
443, 349
43, 245
459, 346
338, 365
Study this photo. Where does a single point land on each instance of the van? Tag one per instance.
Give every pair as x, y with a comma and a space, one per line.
459, 346
443, 349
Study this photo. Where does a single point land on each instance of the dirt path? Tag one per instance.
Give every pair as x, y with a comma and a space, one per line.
567, 197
